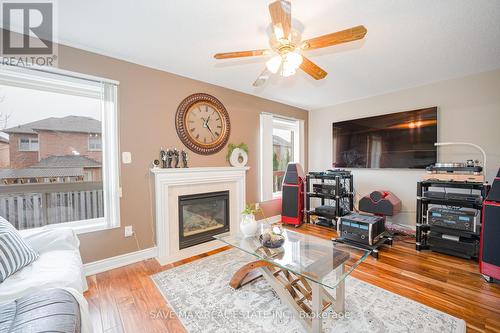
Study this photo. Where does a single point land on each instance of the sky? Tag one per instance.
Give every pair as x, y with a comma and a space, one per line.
27, 105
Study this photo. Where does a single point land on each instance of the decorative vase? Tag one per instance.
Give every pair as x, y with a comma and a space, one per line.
248, 225
238, 158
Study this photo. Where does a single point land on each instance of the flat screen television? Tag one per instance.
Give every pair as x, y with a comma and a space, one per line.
396, 140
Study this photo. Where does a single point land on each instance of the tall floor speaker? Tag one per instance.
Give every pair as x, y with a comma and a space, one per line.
292, 195
489, 256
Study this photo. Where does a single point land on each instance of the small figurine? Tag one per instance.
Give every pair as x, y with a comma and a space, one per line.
170, 157
185, 158
176, 158
163, 158
155, 164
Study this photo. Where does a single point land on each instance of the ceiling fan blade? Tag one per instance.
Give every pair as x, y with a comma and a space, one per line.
312, 69
281, 16
241, 54
263, 77
335, 38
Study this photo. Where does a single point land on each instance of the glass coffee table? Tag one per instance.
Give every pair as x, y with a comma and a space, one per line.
300, 272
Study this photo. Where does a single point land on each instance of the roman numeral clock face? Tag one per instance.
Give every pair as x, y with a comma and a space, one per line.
202, 123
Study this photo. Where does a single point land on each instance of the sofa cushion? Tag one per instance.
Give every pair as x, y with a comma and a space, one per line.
59, 265
50, 310
14, 252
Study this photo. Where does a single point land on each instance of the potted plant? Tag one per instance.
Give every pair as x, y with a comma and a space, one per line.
248, 224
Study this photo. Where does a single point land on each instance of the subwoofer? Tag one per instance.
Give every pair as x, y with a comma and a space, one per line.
292, 195
489, 256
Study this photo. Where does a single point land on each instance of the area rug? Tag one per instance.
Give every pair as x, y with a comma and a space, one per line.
199, 294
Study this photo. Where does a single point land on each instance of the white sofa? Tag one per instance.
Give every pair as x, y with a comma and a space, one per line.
59, 266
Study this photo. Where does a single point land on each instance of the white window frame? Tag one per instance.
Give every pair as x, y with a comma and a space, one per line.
66, 82
92, 136
267, 123
30, 144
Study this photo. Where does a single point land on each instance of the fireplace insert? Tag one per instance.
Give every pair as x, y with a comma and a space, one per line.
202, 216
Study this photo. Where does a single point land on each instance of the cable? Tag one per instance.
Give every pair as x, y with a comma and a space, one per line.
136, 241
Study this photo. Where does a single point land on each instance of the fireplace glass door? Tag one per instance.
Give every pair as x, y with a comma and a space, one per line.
202, 216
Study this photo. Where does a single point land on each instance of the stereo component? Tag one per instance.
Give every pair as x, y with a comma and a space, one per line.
453, 196
326, 189
459, 246
365, 229
460, 219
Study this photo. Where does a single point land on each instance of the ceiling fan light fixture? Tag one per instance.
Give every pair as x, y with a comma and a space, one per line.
273, 64
287, 45
287, 71
291, 62
294, 59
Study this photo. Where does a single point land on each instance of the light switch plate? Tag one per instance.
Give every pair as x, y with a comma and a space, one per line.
129, 231
126, 157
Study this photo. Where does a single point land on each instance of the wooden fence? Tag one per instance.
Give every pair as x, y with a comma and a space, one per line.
29, 206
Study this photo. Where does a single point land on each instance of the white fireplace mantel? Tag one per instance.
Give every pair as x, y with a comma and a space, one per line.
167, 182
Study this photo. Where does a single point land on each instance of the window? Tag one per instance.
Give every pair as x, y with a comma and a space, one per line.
28, 144
281, 143
73, 180
95, 142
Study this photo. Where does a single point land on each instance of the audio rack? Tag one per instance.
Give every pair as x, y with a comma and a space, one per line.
334, 189
433, 235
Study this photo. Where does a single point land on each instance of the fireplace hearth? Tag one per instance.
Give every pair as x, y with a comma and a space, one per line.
202, 216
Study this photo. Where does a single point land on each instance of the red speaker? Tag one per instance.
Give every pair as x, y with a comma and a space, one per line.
489, 255
292, 195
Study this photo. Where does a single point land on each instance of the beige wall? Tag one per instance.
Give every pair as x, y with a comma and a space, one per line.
468, 110
148, 101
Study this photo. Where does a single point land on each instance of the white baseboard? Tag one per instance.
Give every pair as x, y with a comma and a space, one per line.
107, 264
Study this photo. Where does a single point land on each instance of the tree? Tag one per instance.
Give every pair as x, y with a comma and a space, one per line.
4, 115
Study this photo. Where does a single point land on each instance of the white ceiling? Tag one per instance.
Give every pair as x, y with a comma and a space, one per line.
409, 42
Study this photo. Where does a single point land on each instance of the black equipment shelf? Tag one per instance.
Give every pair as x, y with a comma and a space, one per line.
386, 239
454, 203
341, 194
422, 226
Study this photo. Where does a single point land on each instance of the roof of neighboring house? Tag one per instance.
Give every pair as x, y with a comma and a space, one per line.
40, 173
67, 161
279, 141
3, 140
66, 124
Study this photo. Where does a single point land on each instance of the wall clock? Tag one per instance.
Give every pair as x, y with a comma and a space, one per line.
202, 123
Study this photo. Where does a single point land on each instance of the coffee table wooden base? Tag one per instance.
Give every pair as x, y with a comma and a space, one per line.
308, 299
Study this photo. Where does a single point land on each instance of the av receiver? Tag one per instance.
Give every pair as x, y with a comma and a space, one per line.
328, 189
456, 245
453, 196
324, 189
460, 219
365, 229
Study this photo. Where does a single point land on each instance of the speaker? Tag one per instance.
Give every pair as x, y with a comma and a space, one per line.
380, 203
292, 195
494, 193
489, 256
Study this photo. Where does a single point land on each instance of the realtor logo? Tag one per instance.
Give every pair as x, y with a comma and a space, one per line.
28, 33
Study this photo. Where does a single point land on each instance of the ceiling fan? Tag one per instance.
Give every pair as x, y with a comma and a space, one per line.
287, 46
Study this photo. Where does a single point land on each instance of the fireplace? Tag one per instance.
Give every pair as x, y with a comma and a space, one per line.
202, 216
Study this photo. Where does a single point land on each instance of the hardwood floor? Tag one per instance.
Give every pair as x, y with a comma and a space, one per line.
126, 299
